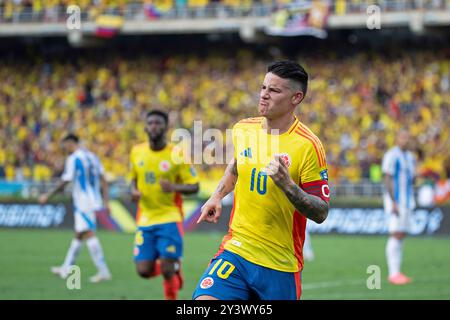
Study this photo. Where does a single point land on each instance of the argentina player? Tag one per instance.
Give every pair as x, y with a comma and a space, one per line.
85, 171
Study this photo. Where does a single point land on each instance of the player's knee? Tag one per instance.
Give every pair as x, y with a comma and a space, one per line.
167, 269
144, 272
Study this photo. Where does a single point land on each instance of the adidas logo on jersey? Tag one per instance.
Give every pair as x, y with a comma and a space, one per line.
247, 153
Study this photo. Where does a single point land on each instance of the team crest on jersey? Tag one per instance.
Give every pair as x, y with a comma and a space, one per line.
286, 158
164, 166
141, 163
324, 174
207, 283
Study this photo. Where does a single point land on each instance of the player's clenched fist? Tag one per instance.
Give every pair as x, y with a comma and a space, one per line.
211, 210
278, 171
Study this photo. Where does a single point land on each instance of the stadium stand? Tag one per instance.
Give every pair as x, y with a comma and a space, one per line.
103, 98
102, 94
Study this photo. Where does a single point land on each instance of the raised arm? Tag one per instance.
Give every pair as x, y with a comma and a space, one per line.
311, 206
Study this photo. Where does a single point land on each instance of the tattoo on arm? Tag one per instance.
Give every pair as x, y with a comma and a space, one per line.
311, 206
227, 183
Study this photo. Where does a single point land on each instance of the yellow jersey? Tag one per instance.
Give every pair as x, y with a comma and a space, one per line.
265, 227
148, 167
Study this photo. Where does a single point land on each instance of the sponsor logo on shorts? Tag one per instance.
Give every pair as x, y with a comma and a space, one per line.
207, 283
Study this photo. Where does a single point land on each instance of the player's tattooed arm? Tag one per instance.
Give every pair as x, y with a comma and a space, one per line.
227, 183
311, 206
212, 209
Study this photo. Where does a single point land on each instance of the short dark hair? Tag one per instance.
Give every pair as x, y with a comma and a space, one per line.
71, 137
159, 113
291, 70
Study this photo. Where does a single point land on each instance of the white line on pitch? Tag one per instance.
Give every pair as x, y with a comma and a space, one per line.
331, 284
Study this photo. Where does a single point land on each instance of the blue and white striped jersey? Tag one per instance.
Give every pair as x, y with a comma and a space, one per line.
401, 165
84, 169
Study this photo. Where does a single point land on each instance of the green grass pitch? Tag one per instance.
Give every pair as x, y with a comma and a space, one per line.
338, 272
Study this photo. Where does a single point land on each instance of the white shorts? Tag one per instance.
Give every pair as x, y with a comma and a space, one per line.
400, 222
85, 221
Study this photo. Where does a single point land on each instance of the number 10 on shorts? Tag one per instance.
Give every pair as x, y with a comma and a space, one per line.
225, 269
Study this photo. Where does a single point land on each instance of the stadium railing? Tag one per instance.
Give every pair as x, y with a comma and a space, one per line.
140, 12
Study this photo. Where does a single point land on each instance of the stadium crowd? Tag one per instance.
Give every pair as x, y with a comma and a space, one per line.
354, 104
55, 10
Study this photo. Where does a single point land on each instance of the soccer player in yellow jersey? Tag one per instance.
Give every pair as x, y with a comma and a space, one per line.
279, 178
157, 183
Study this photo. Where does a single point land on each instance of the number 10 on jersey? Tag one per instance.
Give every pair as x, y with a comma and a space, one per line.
261, 182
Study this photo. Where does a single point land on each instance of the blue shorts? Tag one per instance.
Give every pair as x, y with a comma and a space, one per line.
158, 241
230, 277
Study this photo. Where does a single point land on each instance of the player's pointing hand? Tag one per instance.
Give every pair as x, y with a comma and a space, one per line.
211, 210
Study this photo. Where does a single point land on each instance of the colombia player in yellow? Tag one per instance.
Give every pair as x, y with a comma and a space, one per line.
158, 182
279, 180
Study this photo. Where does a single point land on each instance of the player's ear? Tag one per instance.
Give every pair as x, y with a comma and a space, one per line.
297, 97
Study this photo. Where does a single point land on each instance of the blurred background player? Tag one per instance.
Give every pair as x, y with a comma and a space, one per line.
157, 183
262, 255
86, 172
308, 252
399, 167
